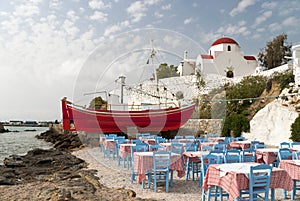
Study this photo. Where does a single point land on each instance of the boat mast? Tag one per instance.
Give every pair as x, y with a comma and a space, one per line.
122, 78
152, 56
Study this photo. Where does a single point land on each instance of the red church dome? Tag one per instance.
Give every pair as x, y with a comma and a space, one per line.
224, 40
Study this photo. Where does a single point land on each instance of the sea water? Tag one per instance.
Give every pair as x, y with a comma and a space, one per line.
20, 141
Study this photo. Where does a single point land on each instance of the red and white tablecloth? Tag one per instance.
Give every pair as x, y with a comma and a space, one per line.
125, 149
109, 144
240, 145
232, 182
194, 156
216, 139
268, 155
292, 167
143, 163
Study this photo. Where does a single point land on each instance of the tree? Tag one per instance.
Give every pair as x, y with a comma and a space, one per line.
295, 128
273, 55
165, 71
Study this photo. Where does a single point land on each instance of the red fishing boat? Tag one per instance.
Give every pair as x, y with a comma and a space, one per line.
77, 118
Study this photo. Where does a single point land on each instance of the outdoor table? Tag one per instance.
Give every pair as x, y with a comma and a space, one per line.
125, 149
292, 167
235, 178
149, 141
268, 155
109, 144
216, 139
240, 145
143, 163
193, 156
211, 144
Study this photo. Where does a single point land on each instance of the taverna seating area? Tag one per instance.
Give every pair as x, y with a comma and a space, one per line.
225, 168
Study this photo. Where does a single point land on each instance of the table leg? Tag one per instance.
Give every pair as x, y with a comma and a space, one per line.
272, 194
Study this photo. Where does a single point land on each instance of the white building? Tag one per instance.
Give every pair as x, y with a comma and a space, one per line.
296, 64
224, 54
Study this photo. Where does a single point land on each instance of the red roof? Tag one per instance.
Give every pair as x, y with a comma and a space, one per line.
224, 40
249, 57
207, 56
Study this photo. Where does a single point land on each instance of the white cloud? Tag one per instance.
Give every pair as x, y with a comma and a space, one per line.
99, 16
242, 5
274, 26
55, 4
187, 21
290, 21
72, 16
98, 4
269, 5
115, 28
26, 10
138, 9
166, 7
230, 30
158, 15
262, 18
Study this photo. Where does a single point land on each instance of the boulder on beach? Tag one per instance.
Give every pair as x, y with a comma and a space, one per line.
2, 129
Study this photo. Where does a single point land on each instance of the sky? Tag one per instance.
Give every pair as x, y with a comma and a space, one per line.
50, 49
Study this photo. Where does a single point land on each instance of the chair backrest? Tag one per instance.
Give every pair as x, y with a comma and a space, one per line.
296, 155
178, 137
191, 146
259, 146
155, 147
207, 160
284, 145
232, 156
285, 154
136, 141
220, 146
189, 137
241, 138
176, 148
207, 148
248, 155
141, 147
259, 180
161, 160
295, 144
160, 140
253, 143
218, 153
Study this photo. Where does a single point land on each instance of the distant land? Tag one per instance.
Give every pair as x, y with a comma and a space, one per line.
29, 123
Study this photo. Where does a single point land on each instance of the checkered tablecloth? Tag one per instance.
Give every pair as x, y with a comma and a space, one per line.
109, 144
240, 145
194, 156
125, 149
292, 167
143, 163
267, 156
233, 182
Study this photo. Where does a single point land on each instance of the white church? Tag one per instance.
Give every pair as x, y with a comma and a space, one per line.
224, 55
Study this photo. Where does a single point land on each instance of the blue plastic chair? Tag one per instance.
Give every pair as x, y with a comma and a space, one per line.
296, 156
207, 148
284, 154
220, 146
295, 144
138, 148
176, 148
161, 169
259, 146
155, 147
247, 155
259, 182
178, 137
284, 145
232, 156
213, 190
253, 143
193, 166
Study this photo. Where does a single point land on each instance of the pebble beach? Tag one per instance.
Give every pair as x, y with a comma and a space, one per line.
113, 176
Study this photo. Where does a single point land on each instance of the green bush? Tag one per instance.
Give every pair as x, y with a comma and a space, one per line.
283, 79
235, 124
295, 128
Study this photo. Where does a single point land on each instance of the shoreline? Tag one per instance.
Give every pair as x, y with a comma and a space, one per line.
72, 171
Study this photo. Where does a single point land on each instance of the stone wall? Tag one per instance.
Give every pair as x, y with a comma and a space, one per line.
199, 126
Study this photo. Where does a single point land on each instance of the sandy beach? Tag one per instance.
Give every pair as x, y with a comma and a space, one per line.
113, 176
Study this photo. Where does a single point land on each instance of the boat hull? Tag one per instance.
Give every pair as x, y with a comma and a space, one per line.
110, 121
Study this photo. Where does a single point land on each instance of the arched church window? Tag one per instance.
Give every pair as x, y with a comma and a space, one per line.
228, 48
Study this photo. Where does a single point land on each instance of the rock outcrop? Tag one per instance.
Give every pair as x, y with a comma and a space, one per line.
272, 123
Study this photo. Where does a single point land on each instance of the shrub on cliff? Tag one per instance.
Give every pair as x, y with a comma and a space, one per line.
295, 128
235, 124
